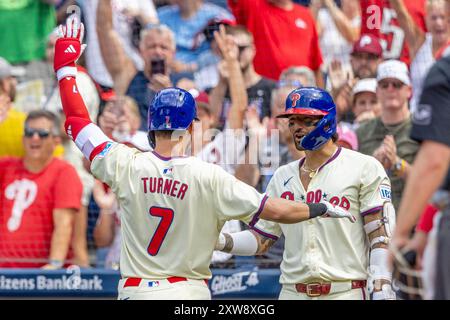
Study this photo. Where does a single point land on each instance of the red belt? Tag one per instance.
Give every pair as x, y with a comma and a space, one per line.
134, 282
316, 289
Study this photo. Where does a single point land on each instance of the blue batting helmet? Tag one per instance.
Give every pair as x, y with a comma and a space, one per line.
171, 109
313, 102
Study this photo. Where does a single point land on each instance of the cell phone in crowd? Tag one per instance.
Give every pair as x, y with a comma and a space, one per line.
209, 30
158, 66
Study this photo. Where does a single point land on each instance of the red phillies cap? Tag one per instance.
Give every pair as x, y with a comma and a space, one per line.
368, 43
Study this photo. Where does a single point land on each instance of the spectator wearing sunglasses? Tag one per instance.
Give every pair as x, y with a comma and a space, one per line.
39, 197
387, 137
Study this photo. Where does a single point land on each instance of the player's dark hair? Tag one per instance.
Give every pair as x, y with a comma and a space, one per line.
335, 137
166, 134
37, 114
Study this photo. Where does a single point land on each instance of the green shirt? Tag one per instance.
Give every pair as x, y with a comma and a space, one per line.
25, 26
370, 136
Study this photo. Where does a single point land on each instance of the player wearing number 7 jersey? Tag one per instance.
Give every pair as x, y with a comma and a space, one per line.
173, 207
326, 259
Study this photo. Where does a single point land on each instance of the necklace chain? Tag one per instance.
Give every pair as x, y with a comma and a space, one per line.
313, 172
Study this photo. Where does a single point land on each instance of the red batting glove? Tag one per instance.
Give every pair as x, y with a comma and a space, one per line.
68, 47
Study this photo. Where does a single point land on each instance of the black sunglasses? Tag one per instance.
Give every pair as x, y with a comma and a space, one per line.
41, 133
387, 84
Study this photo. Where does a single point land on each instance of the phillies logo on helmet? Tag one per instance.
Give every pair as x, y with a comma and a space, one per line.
168, 124
295, 97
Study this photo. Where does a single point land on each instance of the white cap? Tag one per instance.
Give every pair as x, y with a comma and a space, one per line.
7, 70
393, 69
365, 85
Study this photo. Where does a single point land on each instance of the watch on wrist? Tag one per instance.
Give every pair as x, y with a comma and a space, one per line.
399, 167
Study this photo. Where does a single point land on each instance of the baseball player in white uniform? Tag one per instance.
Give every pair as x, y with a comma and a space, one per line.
327, 259
173, 206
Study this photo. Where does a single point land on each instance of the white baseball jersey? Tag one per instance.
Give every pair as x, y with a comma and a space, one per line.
172, 210
323, 248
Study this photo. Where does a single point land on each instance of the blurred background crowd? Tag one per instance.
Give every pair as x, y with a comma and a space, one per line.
52, 210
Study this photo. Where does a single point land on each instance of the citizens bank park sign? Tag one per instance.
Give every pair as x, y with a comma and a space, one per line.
245, 282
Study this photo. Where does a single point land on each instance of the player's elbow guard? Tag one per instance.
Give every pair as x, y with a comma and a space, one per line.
86, 135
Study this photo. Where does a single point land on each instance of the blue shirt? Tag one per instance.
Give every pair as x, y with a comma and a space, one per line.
189, 33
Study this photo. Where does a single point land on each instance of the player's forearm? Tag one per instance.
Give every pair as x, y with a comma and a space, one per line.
286, 211
426, 175
87, 136
72, 102
238, 93
376, 226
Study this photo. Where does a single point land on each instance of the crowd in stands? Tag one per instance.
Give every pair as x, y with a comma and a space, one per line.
54, 213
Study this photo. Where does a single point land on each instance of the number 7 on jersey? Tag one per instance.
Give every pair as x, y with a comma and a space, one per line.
166, 216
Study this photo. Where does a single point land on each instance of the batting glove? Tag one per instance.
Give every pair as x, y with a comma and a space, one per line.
334, 211
68, 47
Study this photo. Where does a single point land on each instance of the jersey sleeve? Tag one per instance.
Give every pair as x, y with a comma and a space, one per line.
68, 198
111, 165
375, 188
267, 228
234, 199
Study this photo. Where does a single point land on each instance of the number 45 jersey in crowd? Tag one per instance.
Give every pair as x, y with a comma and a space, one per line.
379, 19
172, 210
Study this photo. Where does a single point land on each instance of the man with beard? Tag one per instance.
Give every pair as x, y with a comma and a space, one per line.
325, 260
259, 88
365, 57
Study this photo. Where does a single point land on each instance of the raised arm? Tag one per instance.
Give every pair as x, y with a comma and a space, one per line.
119, 65
238, 93
343, 24
68, 48
414, 36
